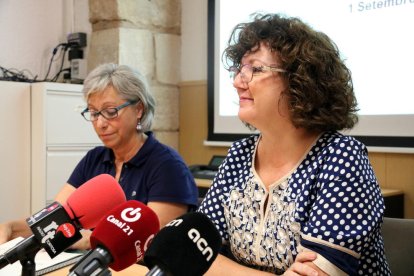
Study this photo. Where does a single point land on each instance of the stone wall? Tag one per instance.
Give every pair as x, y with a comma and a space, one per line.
144, 34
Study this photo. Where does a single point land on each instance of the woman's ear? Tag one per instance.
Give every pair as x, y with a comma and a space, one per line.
140, 110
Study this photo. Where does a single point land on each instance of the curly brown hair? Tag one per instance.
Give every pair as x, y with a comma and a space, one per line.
320, 90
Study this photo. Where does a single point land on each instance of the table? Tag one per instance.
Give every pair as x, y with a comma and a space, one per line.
134, 270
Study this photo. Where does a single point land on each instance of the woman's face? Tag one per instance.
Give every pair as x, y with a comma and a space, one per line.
260, 101
116, 132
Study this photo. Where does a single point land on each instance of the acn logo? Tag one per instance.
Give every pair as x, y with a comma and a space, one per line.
201, 243
175, 222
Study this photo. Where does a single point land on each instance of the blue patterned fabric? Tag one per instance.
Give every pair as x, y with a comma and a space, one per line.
330, 203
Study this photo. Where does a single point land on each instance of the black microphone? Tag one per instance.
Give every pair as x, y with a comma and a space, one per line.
54, 230
56, 227
186, 246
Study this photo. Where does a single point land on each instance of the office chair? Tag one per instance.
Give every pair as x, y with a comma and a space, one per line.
398, 237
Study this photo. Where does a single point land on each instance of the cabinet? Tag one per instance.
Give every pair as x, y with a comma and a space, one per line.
15, 150
60, 138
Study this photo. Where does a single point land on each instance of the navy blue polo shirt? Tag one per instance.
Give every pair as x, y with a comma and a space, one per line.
156, 173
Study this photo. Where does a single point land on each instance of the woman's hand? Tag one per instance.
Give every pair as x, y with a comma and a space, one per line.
302, 266
5, 232
84, 243
12, 229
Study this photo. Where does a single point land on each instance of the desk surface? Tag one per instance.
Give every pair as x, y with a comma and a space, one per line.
203, 183
206, 183
134, 270
391, 192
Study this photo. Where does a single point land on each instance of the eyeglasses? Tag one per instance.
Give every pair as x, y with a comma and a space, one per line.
247, 71
107, 113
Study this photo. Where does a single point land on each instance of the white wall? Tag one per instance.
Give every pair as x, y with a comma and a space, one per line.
194, 40
30, 29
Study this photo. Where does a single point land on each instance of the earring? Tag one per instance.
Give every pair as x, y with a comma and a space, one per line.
139, 126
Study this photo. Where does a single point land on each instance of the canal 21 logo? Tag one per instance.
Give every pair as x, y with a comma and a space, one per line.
127, 215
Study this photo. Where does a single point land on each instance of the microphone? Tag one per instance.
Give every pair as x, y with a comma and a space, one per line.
119, 240
57, 227
187, 245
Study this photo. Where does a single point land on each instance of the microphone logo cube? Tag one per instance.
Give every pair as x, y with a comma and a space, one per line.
54, 229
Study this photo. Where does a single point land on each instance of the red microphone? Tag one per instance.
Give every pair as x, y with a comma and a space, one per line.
119, 240
92, 200
57, 227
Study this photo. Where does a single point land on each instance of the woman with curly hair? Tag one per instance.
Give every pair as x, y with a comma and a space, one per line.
299, 198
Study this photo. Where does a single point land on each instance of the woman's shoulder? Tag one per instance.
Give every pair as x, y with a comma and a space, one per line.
160, 153
333, 141
341, 153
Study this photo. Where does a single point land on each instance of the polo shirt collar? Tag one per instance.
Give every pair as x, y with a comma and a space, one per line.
140, 157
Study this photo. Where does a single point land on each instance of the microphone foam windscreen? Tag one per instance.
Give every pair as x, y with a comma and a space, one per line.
92, 200
187, 245
126, 232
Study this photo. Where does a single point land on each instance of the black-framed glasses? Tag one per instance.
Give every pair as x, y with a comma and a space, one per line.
247, 71
107, 113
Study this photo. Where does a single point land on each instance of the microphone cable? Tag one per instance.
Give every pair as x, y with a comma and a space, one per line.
19, 76
13, 74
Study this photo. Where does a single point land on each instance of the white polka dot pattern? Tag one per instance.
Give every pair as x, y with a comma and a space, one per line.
332, 196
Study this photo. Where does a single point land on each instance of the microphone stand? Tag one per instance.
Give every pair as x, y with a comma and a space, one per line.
158, 271
155, 271
25, 251
105, 272
92, 263
28, 264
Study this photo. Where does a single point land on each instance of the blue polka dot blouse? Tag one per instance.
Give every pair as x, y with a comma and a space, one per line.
330, 203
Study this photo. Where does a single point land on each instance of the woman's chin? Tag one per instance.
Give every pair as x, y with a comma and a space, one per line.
245, 116
107, 143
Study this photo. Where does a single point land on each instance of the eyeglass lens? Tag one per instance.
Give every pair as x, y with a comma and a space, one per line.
107, 113
245, 71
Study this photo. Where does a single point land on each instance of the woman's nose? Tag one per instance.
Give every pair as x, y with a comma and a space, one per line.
238, 82
101, 122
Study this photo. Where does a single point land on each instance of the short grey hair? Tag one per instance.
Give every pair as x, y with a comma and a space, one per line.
129, 83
